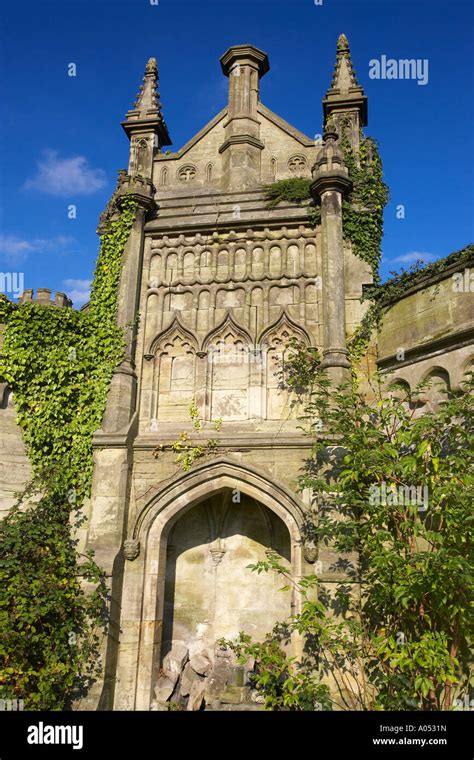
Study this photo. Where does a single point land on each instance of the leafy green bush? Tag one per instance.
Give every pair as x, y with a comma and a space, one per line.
403, 640
58, 363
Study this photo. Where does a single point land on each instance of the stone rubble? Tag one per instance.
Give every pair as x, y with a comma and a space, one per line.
193, 682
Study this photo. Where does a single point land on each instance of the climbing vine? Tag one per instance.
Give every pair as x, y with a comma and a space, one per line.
362, 212
187, 452
382, 295
399, 282
58, 364
362, 219
293, 190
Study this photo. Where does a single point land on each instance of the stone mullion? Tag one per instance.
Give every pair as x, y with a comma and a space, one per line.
266, 304
159, 316
195, 306
301, 289
248, 311
180, 266
208, 372
248, 259
214, 260
156, 385
284, 257
212, 307
147, 396
231, 250
255, 384
267, 244
200, 382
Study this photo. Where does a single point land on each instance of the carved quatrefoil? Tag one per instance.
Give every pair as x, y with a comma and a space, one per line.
297, 163
186, 173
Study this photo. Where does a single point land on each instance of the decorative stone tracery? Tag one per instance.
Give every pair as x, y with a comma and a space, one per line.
297, 163
186, 173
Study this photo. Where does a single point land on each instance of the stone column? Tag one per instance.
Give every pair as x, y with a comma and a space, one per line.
331, 182
122, 391
112, 443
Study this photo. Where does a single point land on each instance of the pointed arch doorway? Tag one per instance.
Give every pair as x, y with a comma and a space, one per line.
190, 579
210, 591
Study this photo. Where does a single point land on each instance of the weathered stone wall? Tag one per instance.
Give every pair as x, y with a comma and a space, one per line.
15, 469
209, 591
429, 331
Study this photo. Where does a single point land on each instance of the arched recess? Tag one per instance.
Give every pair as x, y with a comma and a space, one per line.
169, 333
286, 327
438, 389
398, 386
466, 370
273, 168
228, 354
399, 389
144, 577
174, 373
273, 343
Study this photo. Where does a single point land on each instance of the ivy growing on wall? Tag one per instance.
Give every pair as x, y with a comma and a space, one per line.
382, 295
188, 451
362, 212
58, 363
362, 218
293, 190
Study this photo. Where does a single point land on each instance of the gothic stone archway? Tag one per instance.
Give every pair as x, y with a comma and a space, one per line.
143, 625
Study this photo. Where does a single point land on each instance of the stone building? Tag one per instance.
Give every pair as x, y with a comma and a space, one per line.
221, 284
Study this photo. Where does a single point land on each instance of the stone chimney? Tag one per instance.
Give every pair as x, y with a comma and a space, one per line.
241, 150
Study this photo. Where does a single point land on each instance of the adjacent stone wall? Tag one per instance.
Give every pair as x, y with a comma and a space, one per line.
15, 469
429, 331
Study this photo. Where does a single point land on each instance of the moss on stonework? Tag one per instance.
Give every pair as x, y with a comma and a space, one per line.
362, 212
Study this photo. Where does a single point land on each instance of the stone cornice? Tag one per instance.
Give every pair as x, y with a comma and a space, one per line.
428, 350
237, 442
177, 224
331, 181
241, 140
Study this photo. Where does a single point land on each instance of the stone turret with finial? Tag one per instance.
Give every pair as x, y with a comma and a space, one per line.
146, 113
345, 100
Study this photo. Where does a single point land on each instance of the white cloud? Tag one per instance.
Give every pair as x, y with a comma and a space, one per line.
412, 257
66, 176
79, 291
15, 248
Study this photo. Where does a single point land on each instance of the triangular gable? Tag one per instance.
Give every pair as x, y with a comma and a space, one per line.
199, 135
264, 111
285, 126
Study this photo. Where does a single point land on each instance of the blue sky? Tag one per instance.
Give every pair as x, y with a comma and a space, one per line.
62, 142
